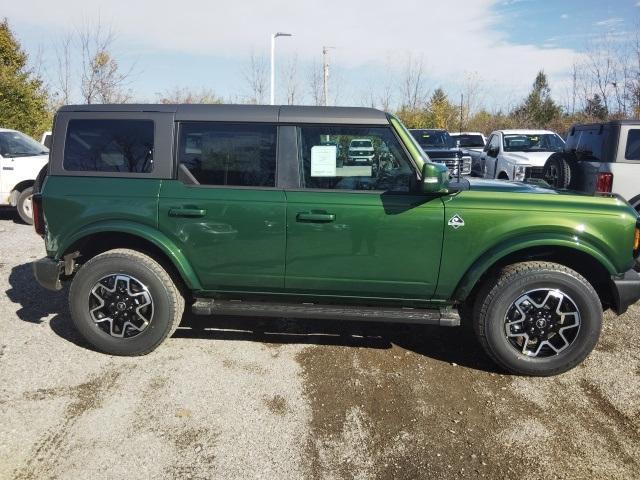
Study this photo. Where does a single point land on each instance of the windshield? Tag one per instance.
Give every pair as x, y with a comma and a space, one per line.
16, 144
543, 142
361, 144
468, 141
432, 138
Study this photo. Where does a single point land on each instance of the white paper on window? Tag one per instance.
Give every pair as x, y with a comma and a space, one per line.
323, 160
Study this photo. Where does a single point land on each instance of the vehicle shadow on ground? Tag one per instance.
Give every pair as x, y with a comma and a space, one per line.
453, 345
10, 213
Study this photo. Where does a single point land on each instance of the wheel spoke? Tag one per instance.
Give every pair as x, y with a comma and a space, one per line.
121, 305
542, 323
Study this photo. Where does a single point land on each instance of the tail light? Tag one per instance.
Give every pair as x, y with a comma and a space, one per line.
38, 217
636, 240
604, 183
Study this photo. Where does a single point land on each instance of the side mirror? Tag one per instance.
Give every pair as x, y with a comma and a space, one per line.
493, 152
435, 178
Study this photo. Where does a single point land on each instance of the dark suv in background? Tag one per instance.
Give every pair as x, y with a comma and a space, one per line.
441, 148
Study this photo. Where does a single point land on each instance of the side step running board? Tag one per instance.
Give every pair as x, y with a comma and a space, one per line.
444, 317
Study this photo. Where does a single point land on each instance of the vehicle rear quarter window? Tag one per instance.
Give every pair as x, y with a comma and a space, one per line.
119, 146
590, 145
228, 154
354, 158
632, 150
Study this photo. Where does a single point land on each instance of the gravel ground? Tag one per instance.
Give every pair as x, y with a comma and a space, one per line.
244, 398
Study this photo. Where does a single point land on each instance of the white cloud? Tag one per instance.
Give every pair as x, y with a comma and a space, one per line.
452, 36
564, 16
609, 22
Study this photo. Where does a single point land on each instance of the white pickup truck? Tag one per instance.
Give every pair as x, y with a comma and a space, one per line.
510, 154
21, 159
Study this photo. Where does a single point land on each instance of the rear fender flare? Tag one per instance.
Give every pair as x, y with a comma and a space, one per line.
144, 232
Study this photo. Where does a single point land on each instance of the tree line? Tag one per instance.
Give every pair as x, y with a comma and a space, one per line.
605, 84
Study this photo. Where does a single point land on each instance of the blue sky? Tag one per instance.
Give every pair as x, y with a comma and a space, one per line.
500, 44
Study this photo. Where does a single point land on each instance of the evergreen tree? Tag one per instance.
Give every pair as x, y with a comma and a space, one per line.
23, 99
538, 109
595, 108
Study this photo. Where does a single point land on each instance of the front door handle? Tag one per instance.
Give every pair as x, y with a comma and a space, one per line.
187, 212
315, 217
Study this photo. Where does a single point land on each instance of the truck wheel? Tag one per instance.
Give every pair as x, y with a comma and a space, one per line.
538, 318
125, 303
24, 206
557, 172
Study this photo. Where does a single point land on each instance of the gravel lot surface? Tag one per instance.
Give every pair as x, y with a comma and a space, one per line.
243, 398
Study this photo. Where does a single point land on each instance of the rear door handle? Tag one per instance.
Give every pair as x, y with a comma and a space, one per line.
187, 212
315, 217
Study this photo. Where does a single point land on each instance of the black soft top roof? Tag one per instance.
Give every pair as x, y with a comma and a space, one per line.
248, 113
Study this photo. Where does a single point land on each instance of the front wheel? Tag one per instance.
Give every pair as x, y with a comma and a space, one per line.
24, 205
125, 303
538, 318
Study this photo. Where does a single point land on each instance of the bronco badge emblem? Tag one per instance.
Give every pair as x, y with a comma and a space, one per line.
456, 222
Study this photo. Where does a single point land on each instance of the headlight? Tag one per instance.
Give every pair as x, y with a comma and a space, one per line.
519, 172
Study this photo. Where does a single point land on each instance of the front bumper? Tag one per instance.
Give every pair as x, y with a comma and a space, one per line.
626, 290
48, 272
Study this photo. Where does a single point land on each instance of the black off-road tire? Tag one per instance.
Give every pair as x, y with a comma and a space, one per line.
495, 299
23, 205
168, 302
557, 172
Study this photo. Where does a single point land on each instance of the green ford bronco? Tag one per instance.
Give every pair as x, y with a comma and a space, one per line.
258, 210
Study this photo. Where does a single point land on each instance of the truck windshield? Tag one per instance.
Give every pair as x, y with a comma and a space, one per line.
16, 144
468, 141
543, 142
432, 139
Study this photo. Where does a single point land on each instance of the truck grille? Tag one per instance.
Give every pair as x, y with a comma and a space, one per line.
536, 173
453, 163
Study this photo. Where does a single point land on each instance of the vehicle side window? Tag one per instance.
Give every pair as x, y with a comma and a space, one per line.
494, 143
124, 146
590, 145
632, 151
228, 154
354, 158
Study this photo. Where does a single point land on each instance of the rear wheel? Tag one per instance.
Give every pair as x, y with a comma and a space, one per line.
125, 303
24, 205
538, 318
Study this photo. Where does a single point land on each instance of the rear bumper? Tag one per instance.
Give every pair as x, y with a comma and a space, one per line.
626, 290
47, 272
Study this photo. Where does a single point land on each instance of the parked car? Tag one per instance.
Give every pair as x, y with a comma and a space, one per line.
441, 148
473, 143
509, 153
46, 139
599, 158
21, 158
257, 219
361, 151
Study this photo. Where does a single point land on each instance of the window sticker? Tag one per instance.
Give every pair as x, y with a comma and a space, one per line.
323, 160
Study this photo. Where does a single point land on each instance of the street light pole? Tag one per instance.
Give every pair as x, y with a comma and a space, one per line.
273, 64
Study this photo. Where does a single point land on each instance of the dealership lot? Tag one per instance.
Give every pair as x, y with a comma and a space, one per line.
244, 398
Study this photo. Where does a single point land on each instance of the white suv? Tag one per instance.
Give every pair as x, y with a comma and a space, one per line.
510, 154
21, 159
361, 151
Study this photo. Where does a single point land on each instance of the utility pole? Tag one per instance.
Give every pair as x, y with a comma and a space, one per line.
461, 107
325, 75
272, 97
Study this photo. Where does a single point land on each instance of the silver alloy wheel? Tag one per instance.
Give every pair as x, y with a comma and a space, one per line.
121, 305
542, 323
27, 206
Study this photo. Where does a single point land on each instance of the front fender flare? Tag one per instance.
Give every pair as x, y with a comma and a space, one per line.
145, 232
492, 256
